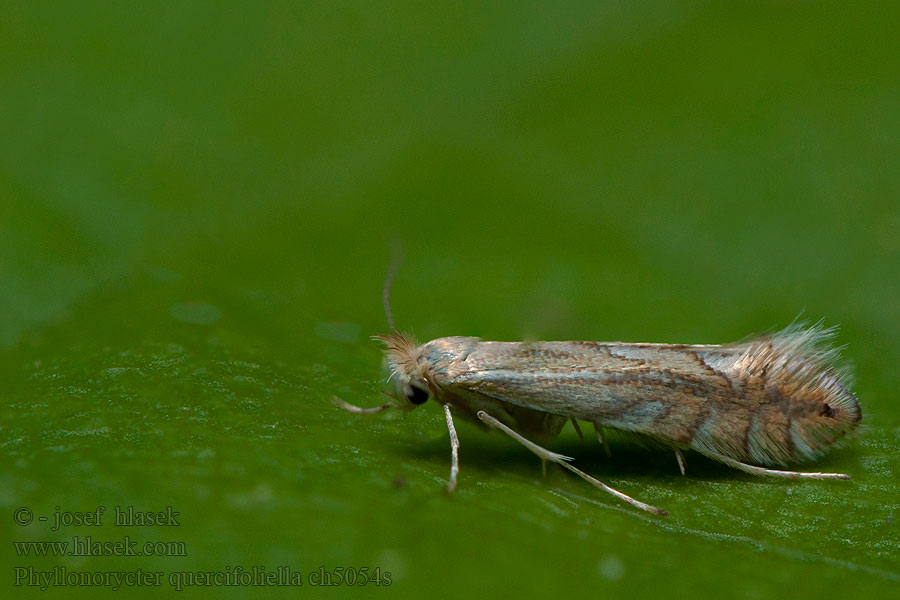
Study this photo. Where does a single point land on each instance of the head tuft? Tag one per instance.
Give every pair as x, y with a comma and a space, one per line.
410, 373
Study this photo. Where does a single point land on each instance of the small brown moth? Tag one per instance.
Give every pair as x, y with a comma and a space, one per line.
772, 401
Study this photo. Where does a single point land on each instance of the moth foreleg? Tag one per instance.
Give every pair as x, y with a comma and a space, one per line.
773, 472
563, 461
454, 450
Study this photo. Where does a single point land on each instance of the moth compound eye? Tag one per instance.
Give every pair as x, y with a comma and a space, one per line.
417, 395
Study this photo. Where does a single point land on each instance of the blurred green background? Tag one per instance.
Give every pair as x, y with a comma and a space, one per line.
197, 207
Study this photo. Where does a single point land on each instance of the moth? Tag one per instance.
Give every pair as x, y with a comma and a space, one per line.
772, 401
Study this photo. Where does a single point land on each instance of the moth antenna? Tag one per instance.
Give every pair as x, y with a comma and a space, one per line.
390, 395
358, 409
396, 261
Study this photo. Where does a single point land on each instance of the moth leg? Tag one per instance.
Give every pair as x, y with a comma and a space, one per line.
541, 452
602, 438
563, 461
454, 451
577, 428
773, 472
358, 410
680, 459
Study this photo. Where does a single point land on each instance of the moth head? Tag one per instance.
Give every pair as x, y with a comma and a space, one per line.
410, 371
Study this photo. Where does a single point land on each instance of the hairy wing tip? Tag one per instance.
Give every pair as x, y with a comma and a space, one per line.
813, 344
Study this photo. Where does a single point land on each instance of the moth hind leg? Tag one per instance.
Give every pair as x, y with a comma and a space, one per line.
564, 461
764, 472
